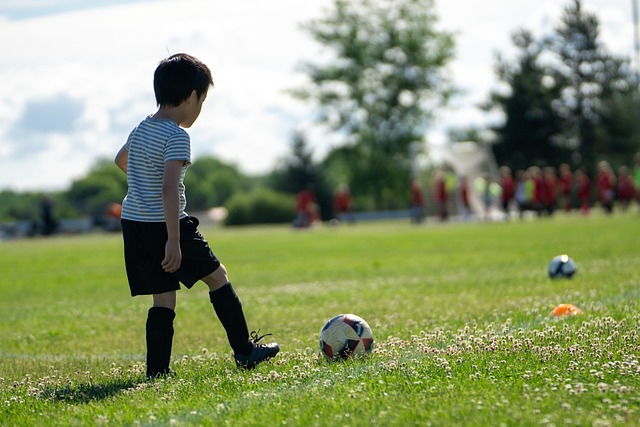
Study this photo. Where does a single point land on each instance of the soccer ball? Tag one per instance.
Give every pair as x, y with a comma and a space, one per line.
562, 266
345, 336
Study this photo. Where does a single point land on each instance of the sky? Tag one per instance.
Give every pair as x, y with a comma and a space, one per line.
77, 76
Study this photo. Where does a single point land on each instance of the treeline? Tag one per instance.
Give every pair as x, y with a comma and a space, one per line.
564, 98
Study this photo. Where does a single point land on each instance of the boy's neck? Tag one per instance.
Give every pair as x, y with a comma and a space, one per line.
169, 113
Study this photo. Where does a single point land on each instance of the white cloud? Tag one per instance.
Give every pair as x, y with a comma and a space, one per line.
104, 59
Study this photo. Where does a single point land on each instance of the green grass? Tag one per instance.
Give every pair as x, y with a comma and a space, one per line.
460, 313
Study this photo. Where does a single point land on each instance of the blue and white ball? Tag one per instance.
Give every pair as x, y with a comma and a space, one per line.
345, 336
562, 266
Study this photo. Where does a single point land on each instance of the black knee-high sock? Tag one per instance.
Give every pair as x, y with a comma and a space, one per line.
228, 308
159, 340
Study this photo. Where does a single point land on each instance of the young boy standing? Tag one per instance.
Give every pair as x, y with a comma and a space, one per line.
162, 244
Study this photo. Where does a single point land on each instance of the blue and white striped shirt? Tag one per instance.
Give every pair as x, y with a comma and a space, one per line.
150, 145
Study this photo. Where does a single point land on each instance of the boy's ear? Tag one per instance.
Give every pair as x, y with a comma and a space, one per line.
193, 97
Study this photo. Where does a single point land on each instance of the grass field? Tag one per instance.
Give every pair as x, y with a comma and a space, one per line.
460, 313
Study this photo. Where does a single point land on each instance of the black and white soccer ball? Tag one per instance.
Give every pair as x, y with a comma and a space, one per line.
562, 266
345, 336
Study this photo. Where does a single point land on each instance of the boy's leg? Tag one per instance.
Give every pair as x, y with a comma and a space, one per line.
159, 331
228, 308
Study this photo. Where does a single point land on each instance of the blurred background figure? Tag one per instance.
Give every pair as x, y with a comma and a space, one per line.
583, 190
508, 190
464, 205
605, 186
565, 183
441, 194
343, 204
49, 223
306, 207
625, 188
417, 202
112, 215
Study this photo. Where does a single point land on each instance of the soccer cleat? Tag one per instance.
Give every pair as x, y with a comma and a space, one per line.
259, 354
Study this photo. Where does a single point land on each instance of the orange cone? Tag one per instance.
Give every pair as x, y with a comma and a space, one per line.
566, 310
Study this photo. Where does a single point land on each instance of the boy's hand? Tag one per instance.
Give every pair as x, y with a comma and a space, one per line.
172, 257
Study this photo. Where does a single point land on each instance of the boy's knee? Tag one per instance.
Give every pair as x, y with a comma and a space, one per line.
217, 279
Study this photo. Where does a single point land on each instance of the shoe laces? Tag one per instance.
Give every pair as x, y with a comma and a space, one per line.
255, 336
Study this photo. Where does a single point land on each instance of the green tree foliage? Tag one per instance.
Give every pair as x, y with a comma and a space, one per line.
210, 182
384, 83
104, 184
298, 171
527, 135
260, 206
594, 86
568, 99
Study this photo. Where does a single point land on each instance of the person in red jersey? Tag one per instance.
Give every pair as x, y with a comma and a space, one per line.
343, 204
625, 188
605, 186
508, 190
565, 183
583, 191
417, 202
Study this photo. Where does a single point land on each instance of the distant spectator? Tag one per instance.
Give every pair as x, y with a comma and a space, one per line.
417, 202
605, 186
537, 197
306, 208
463, 196
343, 204
583, 191
49, 223
636, 175
565, 182
524, 188
625, 188
441, 194
550, 189
508, 190
489, 191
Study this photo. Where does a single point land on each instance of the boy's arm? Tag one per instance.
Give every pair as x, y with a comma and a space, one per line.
122, 158
171, 206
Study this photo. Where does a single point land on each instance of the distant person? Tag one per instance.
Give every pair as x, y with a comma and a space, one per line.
583, 191
417, 202
49, 222
625, 188
605, 186
636, 175
550, 189
508, 190
489, 191
565, 184
343, 204
539, 189
112, 217
162, 244
441, 194
463, 196
523, 192
306, 208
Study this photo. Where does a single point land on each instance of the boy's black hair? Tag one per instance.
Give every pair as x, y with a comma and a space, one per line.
177, 76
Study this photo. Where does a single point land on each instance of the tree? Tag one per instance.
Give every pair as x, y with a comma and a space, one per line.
592, 83
527, 135
210, 182
382, 86
299, 171
104, 184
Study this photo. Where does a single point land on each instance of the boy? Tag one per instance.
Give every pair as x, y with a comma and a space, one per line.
162, 245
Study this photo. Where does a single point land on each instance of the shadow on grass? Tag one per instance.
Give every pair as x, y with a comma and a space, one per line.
88, 392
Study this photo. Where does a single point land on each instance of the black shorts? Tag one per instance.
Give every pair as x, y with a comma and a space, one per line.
144, 245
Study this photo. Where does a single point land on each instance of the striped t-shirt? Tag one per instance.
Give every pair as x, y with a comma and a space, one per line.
151, 144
